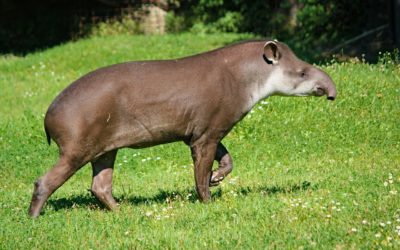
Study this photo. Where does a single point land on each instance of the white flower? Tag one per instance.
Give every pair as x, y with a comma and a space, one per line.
364, 222
354, 229
378, 235
382, 224
385, 183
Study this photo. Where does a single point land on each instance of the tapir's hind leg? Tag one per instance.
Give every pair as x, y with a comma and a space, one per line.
66, 166
225, 165
102, 179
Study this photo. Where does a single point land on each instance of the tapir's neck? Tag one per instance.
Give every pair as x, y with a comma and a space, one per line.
253, 76
260, 88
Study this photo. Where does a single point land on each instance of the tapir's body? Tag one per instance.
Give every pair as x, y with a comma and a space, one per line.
197, 100
140, 104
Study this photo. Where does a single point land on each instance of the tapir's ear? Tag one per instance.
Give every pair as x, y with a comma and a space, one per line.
271, 52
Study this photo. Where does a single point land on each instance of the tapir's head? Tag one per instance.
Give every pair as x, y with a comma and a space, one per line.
291, 76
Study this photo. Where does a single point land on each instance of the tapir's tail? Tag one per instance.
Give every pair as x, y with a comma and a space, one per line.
47, 135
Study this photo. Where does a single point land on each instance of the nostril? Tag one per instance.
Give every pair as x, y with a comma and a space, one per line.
331, 98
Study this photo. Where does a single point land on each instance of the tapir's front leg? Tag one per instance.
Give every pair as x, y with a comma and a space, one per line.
203, 154
225, 165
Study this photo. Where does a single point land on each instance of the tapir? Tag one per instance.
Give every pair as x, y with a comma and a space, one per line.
195, 99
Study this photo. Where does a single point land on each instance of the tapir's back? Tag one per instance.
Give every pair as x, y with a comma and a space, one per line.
183, 80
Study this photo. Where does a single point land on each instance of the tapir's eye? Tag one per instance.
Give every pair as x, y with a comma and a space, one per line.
303, 73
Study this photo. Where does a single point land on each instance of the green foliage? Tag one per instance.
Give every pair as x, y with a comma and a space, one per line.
211, 16
230, 22
308, 173
126, 26
388, 59
175, 23
313, 22
310, 27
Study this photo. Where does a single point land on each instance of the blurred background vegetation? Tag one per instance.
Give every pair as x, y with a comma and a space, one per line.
315, 29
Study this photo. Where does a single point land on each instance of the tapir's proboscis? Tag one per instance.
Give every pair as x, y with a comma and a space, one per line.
196, 99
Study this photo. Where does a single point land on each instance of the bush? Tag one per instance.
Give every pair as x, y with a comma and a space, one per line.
175, 23
308, 26
230, 22
125, 26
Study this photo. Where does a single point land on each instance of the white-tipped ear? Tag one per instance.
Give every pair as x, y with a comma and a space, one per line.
271, 52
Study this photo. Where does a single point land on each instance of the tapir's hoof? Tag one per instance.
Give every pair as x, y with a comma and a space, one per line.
216, 178
32, 213
112, 207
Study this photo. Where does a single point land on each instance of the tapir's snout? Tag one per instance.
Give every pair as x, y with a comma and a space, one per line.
326, 87
331, 91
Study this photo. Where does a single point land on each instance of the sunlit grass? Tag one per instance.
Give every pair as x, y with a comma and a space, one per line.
308, 173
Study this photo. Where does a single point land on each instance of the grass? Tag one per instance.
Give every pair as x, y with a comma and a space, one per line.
308, 173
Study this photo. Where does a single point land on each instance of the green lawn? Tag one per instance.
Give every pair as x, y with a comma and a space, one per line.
308, 173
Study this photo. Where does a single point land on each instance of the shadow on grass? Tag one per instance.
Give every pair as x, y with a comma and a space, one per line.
305, 185
166, 196
75, 201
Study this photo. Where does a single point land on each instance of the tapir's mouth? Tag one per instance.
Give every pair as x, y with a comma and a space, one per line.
319, 92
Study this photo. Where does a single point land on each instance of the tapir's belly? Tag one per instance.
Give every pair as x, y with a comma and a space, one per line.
137, 134
142, 124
